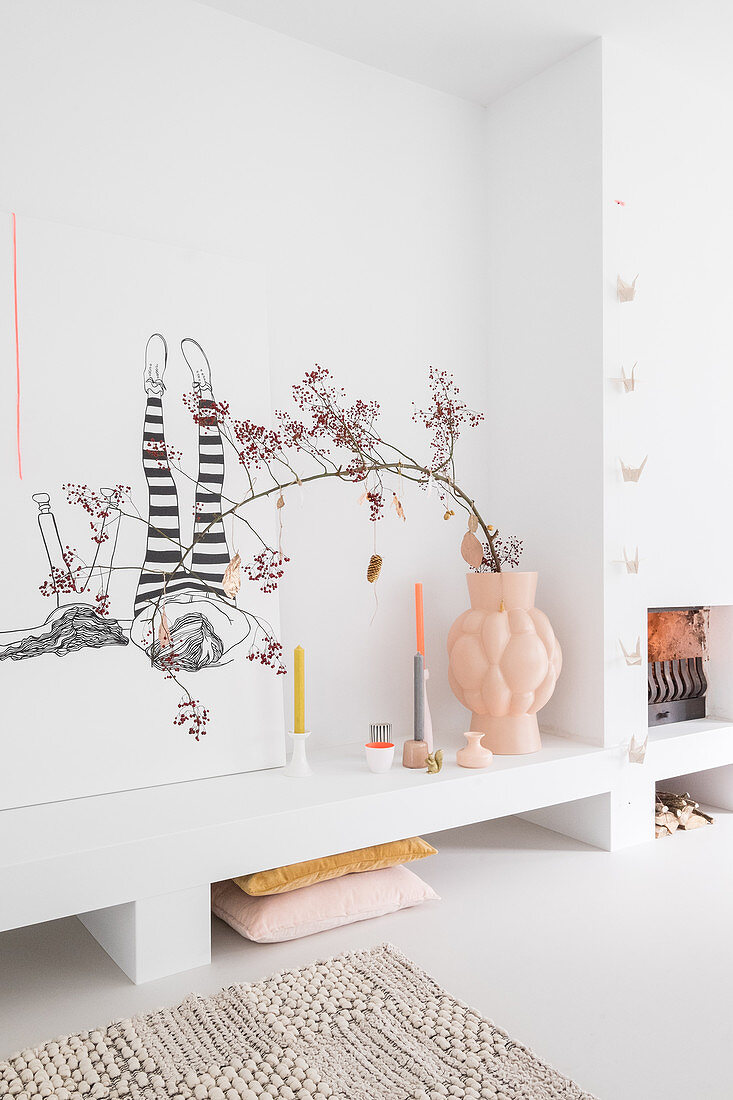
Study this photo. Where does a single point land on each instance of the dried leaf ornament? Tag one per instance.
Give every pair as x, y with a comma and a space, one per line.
280, 501
164, 633
374, 568
232, 581
471, 550
434, 762
397, 505
472, 524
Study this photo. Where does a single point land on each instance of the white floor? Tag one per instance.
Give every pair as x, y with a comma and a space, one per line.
615, 968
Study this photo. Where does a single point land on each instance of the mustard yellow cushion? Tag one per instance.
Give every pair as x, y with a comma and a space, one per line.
282, 879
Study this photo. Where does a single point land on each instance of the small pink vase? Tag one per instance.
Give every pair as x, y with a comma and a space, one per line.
474, 755
503, 664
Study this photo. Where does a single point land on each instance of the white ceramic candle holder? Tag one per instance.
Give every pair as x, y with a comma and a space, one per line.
298, 766
379, 755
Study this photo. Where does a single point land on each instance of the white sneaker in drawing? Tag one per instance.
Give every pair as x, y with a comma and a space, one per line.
156, 358
195, 356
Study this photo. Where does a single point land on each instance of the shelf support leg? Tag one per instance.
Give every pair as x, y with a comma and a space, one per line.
157, 936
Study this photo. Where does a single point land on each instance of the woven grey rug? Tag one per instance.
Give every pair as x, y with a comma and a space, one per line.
364, 1026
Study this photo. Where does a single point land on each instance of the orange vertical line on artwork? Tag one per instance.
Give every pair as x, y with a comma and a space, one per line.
419, 618
17, 349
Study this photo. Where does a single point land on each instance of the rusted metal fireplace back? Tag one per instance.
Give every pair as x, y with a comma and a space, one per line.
676, 675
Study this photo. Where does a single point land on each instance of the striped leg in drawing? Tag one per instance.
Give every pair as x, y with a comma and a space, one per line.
163, 550
211, 553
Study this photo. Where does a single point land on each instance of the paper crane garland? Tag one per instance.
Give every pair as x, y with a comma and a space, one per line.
631, 658
624, 290
632, 473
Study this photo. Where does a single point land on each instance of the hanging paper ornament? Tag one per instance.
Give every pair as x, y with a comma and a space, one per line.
632, 473
633, 658
472, 524
280, 501
232, 580
374, 568
471, 550
164, 634
626, 291
397, 505
637, 750
629, 383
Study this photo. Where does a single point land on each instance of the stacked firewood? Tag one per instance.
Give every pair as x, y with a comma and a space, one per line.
677, 811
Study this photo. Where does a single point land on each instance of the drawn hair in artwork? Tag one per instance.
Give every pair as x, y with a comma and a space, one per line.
66, 630
194, 644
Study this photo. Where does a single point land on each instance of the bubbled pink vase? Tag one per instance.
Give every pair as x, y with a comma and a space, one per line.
504, 660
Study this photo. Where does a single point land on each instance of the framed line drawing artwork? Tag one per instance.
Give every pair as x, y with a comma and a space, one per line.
131, 649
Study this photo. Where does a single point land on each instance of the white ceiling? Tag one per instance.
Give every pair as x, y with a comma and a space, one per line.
478, 49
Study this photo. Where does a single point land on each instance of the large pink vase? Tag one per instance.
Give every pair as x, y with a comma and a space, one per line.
504, 660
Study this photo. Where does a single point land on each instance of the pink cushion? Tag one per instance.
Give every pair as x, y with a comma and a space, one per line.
315, 908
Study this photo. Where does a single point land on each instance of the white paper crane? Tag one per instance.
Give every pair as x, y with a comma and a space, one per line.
632, 564
631, 658
637, 750
624, 290
629, 383
632, 473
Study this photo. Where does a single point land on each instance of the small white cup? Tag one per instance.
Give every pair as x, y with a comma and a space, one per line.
379, 755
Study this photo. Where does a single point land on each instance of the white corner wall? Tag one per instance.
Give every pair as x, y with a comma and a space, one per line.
666, 156
545, 371
362, 198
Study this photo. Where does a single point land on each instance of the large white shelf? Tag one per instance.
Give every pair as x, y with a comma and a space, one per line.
83, 854
86, 854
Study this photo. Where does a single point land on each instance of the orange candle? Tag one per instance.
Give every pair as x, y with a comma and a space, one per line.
419, 619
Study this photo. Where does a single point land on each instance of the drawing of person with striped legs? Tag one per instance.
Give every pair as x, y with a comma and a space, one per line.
203, 623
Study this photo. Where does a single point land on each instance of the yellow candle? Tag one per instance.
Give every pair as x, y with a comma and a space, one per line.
299, 691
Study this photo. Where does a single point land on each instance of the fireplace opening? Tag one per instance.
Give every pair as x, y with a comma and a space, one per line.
677, 652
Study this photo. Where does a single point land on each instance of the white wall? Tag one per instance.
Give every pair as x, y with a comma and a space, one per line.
668, 158
545, 453
361, 196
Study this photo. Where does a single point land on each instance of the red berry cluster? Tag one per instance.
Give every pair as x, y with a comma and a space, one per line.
217, 413
266, 569
508, 550
375, 500
293, 433
257, 443
445, 416
268, 652
163, 453
101, 601
61, 582
350, 427
193, 716
97, 504
167, 660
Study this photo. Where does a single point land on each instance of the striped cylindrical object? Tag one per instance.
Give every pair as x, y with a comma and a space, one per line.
380, 731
